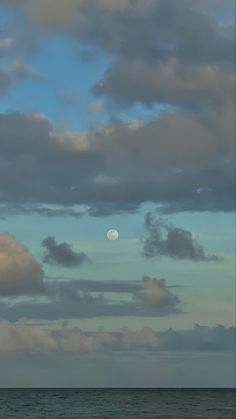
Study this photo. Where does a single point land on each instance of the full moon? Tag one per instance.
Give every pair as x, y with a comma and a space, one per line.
112, 234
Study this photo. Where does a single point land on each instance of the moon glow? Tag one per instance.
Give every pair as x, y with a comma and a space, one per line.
112, 234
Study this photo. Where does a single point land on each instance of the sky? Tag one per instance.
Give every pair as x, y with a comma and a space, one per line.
117, 114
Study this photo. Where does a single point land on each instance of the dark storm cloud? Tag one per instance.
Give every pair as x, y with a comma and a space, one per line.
166, 240
61, 254
185, 158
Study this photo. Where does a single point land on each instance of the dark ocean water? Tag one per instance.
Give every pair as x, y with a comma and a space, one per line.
117, 403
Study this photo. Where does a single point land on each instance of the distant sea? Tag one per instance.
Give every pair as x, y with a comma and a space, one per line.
117, 403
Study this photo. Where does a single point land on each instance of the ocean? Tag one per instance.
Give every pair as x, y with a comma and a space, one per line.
117, 403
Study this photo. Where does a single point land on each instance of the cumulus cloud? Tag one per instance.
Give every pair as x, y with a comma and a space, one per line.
161, 50
166, 240
156, 293
20, 273
62, 253
182, 154
173, 82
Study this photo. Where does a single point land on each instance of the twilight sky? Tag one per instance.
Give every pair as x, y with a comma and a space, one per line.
117, 114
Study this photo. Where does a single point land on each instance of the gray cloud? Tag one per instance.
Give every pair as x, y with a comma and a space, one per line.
161, 50
76, 299
20, 273
62, 253
173, 82
200, 338
114, 169
176, 55
11, 210
89, 286
166, 240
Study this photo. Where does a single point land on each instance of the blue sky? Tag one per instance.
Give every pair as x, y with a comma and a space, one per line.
116, 115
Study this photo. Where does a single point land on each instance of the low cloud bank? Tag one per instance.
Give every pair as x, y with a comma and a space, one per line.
18, 337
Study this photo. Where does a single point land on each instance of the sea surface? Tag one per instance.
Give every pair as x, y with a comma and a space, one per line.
117, 403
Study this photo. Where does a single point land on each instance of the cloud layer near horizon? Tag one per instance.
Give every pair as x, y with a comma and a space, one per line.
20, 337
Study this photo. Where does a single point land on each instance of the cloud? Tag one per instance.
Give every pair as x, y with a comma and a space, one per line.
102, 286
174, 242
20, 273
20, 337
144, 337
200, 338
89, 299
10, 210
73, 340
173, 82
160, 50
14, 73
156, 293
62, 254
115, 169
